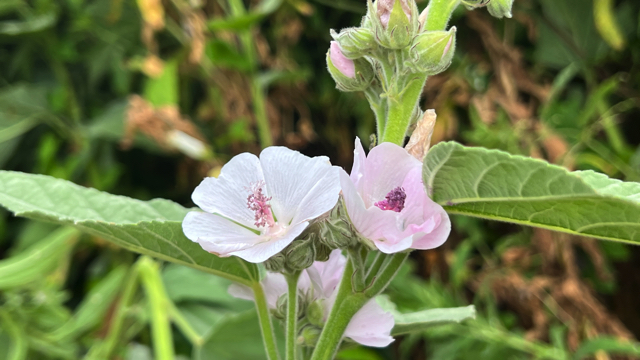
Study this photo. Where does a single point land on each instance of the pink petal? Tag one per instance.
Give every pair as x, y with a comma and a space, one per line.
386, 167
359, 160
346, 66
371, 326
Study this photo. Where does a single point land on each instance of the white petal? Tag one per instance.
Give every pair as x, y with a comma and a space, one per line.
274, 285
330, 272
371, 326
227, 195
241, 292
263, 250
217, 234
302, 188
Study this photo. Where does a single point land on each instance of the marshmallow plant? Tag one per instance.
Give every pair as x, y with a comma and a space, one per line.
314, 246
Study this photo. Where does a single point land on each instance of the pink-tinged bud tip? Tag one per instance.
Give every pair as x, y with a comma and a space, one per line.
346, 66
386, 6
449, 43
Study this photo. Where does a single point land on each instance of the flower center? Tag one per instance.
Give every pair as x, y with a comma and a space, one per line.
257, 202
393, 201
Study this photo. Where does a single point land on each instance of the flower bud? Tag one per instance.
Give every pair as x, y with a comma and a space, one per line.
500, 8
336, 231
349, 75
315, 312
394, 22
280, 312
275, 263
432, 51
355, 42
322, 251
299, 255
385, 9
309, 336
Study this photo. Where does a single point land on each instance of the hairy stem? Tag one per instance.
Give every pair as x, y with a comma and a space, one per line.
268, 335
439, 14
401, 109
292, 314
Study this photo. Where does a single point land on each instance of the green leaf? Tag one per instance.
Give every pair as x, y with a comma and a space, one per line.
495, 185
94, 306
406, 323
418, 321
151, 228
609, 345
163, 90
38, 260
32, 25
244, 22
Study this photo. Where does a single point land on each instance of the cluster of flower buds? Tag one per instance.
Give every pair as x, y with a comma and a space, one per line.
497, 8
390, 28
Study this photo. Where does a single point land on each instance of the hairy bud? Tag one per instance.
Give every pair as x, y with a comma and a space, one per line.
432, 51
394, 22
275, 263
500, 8
349, 75
300, 254
309, 336
336, 231
355, 42
315, 313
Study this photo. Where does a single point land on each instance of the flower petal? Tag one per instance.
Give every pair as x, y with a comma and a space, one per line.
386, 167
373, 223
371, 326
359, 161
302, 188
261, 251
436, 237
274, 285
329, 273
217, 234
227, 195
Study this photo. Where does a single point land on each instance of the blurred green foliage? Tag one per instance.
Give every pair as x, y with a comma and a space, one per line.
560, 81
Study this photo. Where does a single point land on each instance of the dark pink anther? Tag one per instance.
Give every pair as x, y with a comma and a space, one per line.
257, 202
394, 200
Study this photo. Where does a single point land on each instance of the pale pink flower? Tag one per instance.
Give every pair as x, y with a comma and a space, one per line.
387, 203
346, 66
370, 326
258, 206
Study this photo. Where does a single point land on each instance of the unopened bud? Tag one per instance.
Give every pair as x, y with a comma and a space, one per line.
500, 8
394, 22
275, 263
281, 307
309, 336
349, 75
355, 42
336, 231
315, 312
385, 9
322, 251
432, 51
300, 254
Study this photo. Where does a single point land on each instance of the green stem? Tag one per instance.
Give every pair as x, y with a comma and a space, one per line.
439, 14
356, 258
379, 107
372, 272
20, 346
386, 274
181, 323
401, 109
238, 9
117, 321
292, 314
268, 335
160, 323
339, 318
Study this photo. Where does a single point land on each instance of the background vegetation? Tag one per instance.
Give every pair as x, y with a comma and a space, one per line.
146, 98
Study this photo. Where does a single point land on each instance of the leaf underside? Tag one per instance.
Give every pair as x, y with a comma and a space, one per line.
151, 228
495, 185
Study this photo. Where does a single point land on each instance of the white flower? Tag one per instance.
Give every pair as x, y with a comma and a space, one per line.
258, 206
370, 326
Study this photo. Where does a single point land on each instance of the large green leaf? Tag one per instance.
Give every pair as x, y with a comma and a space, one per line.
146, 227
495, 185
